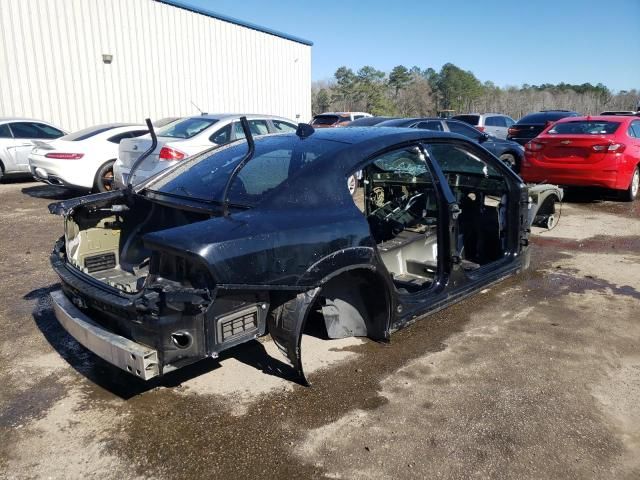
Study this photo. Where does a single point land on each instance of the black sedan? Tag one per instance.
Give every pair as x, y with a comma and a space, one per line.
250, 238
509, 152
532, 125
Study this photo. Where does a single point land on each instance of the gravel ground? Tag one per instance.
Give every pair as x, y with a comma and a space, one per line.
537, 377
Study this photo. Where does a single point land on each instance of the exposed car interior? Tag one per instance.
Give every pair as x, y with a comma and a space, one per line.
402, 211
481, 193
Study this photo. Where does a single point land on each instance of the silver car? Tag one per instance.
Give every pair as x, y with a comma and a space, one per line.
17, 137
186, 137
495, 124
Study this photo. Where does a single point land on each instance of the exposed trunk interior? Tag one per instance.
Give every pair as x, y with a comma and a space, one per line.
105, 242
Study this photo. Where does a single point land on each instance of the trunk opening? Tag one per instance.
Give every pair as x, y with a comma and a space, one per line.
105, 241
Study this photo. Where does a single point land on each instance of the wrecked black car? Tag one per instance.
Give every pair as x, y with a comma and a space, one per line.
248, 239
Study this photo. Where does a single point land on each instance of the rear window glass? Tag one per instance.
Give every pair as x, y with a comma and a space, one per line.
187, 128
543, 117
325, 119
276, 160
585, 127
470, 119
86, 133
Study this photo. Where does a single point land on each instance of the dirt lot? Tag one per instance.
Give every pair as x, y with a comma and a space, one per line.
538, 377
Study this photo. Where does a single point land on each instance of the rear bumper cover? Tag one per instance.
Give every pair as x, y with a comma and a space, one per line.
578, 176
132, 357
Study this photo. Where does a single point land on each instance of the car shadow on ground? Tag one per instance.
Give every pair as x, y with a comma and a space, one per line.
51, 192
589, 195
125, 385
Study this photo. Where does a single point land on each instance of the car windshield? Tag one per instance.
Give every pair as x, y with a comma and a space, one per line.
585, 127
470, 119
87, 133
325, 119
275, 161
187, 128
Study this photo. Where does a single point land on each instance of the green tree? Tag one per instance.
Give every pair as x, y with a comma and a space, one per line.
457, 88
323, 100
399, 78
371, 88
345, 91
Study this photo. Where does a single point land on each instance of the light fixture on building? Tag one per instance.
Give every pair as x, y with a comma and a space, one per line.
107, 58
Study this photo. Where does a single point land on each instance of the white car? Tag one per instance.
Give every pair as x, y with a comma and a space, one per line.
16, 141
82, 160
187, 137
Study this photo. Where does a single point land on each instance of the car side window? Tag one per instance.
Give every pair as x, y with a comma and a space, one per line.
257, 127
222, 136
283, 127
635, 128
491, 122
34, 130
138, 133
5, 132
48, 131
431, 125
462, 129
509, 121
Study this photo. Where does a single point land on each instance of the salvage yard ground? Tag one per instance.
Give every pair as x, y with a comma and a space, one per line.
537, 377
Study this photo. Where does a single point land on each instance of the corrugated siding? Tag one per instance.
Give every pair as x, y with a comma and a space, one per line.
164, 58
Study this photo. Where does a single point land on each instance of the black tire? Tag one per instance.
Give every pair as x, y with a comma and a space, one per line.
631, 193
510, 160
104, 178
1, 171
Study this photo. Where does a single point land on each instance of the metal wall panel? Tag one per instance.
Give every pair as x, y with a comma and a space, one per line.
164, 58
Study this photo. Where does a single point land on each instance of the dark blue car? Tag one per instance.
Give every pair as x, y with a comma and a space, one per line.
508, 151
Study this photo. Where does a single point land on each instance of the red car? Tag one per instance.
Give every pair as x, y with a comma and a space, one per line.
597, 151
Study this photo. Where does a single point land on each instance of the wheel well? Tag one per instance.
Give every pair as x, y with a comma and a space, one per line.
548, 205
355, 303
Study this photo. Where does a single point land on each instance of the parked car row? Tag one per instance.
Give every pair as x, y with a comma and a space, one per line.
557, 146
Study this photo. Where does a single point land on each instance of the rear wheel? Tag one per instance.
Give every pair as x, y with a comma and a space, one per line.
1, 171
104, 178
509, 160
630, 194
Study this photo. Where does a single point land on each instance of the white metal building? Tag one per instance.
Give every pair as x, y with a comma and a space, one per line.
78, 63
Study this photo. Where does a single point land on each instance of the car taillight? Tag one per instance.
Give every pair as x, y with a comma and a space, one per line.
512, 131
534, 146
171, 154
609, 147
65, 156
480, 128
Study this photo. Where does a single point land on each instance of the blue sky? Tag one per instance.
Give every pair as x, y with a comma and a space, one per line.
508, 42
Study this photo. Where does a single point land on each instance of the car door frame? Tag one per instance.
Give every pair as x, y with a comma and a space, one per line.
457, 283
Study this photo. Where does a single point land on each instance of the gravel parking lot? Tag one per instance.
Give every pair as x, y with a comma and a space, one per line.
537, 377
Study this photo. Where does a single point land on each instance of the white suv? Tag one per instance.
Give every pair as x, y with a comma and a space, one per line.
495, 124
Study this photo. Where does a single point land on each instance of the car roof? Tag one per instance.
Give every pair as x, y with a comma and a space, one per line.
227, 116
22, 119
399, 122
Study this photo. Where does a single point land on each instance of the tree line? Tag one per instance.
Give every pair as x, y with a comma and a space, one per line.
408, 92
